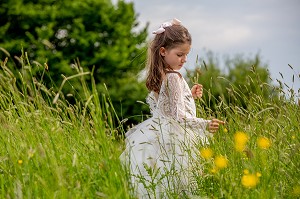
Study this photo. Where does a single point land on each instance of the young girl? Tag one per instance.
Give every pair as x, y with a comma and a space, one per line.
160, 151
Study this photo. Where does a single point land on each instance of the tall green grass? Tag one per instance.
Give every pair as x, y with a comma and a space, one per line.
52, 149
269, 158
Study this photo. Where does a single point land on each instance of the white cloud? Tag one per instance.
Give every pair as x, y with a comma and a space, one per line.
270, 27
219, 34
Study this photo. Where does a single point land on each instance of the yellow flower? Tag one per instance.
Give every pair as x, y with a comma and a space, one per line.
206, 153
221, 162
225, 130
250, 180
263, 143
20, 162
214, 170
246, 171
240, 140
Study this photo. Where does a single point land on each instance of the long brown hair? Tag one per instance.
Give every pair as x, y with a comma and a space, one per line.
156, 66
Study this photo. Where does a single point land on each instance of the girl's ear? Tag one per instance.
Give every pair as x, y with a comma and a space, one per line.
162, 51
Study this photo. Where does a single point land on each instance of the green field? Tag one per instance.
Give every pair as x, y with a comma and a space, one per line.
52, 149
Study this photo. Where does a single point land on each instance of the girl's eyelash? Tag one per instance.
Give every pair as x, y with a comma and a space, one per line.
180, 55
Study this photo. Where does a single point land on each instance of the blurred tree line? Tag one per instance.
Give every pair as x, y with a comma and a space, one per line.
241, 79
106, 39
94, 32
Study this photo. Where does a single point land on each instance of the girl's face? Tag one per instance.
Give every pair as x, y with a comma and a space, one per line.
177, 56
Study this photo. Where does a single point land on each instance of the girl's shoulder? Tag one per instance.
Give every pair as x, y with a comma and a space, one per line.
173, 77
173, 73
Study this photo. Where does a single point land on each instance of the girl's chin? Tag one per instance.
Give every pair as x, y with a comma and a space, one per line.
177, 67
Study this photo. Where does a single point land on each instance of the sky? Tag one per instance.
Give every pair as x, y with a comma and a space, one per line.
270, 28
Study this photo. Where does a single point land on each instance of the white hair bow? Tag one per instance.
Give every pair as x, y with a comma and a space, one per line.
162, 27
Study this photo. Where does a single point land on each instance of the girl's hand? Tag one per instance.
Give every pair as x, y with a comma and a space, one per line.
213, 126
197, 91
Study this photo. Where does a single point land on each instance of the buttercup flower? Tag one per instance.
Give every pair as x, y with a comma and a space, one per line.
250, 180
214, 170
20, 162
240, 140
206, 153
221, 162
263, 143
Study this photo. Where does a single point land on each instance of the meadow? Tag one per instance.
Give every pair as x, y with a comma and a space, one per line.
52, 149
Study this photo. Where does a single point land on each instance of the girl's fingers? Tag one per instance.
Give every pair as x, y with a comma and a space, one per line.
199, 87
214, 125
218, 121
197, 91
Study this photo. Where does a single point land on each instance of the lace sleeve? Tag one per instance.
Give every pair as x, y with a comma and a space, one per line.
177, 106
151, 101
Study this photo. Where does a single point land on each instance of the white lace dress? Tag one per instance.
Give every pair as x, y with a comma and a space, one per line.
160, 151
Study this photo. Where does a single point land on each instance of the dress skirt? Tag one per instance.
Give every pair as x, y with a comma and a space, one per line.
160, 154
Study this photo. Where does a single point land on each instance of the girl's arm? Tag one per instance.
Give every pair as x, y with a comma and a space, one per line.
177, 106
